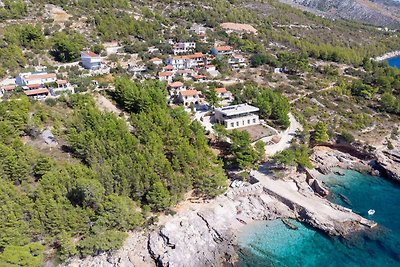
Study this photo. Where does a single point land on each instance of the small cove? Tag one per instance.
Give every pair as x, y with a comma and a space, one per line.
394, 62
273, 244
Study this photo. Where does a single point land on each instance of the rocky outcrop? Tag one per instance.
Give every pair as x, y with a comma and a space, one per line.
201, 235
389, 162
373, 12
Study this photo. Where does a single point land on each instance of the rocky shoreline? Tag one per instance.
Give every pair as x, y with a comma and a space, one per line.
206, 234
387, 56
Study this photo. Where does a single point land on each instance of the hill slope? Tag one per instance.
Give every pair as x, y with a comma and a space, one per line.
378, 12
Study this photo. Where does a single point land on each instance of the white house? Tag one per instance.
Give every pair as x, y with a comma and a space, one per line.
90, 60
188, 97
6, 88
186, 62
29, 78
223, 93
156, 61
176, 87
237, 61
222, 50
198, 29
63, 87
165, 76
183, 47
237, 116
38, 94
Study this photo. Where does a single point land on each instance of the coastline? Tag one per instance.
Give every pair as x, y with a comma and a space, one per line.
207, 234
388, 56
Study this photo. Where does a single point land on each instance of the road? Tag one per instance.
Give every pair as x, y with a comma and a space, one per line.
286, 137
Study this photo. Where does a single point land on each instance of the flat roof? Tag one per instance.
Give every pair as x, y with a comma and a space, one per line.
237, 109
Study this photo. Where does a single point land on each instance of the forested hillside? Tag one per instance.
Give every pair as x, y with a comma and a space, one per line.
54, 208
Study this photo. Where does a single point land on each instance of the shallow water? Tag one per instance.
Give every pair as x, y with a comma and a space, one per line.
273, 244
394, 62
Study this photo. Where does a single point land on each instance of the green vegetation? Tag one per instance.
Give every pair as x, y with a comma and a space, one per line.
244, 155
296, 155
85, 208
320, 134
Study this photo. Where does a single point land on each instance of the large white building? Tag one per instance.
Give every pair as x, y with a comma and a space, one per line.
34, 78
237, 116
186, 62
183, 47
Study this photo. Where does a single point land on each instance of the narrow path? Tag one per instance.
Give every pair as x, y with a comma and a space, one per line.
286, 137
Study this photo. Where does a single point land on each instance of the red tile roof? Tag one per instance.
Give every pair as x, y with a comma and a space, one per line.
155, 59
223, 48
40, 76
165, 73
176, 84
220, 90
189, 92
61, 82
8, 87
90, 54
37, 91
36, 85
168, 67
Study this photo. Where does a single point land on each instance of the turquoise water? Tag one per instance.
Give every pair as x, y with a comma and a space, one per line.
394, 62
273, 244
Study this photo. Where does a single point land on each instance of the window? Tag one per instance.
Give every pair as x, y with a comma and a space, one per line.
242, 122
248, 121
232, 124
237, 123
254, 120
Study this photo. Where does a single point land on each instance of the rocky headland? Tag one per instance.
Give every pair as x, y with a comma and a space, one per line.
205, 234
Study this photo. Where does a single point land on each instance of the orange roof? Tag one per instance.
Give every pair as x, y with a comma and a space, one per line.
189, 92
8, 87
36, 85
179, 57
195, 55
209, 66
176, 84
37, 91
198, 76
220, 90
168, 67
62, 82
90, 54
224, 48
165, 73
155, 59
40, 76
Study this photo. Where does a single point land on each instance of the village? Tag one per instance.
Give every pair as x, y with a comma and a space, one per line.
190, 78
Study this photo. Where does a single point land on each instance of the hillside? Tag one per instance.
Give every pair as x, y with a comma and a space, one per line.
136, 134
381, 13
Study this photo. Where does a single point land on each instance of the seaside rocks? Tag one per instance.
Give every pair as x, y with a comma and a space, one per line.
389, 161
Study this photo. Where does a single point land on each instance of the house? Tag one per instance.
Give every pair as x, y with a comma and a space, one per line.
156, 61
202, 37
62, 87
6, 88
189, 97
153, 49
237, 61
198, 29
29, 78
238, 28
237, 116
165, 76
168, 68
183, 47
222, 50
199, 78
176, 87
38, 94
212, 71
136, 69
186, 73
223, 93
90, 60
186, 62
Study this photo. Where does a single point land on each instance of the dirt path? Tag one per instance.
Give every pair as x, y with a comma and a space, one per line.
286, 137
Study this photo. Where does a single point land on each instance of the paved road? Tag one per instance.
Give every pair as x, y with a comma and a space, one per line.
286, 137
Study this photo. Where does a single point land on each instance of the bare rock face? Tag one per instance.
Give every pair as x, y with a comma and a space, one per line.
389, 160
378, 12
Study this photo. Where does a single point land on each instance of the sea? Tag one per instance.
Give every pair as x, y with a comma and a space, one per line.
272, 243
394, 62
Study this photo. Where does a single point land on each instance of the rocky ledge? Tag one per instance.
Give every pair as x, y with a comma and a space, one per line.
389, 161
205, 234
